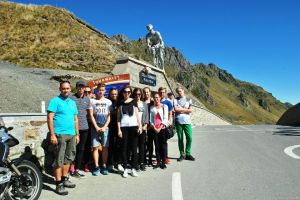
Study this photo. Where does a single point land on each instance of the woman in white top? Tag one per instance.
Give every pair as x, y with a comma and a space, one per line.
129, 126
159, 122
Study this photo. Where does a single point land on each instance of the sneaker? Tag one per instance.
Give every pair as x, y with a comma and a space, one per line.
96, 171
120, 168
86, 168
138, 168
68, 184
125, 173
104, 171
143, 167
134, 173
60, 189
181, 158
167, 161
190, 157
79, 174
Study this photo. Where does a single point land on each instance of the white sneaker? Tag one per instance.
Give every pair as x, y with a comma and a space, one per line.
120, 168
134, 173
125, 173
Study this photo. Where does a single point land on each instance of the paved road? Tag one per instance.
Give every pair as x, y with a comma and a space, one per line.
233, 162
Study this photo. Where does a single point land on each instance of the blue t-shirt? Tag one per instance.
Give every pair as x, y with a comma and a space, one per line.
168, 103
64, 111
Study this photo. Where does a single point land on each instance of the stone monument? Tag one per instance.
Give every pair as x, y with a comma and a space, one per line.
156, 46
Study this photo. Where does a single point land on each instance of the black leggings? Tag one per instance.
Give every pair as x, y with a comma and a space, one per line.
80, 148
114, 150
150, 142
141, 145
129, 144
160, 140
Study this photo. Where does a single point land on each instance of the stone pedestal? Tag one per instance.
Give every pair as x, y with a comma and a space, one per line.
134, 67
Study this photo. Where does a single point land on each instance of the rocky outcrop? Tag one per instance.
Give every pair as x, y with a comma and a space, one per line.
174, 58
263, 103
244, 100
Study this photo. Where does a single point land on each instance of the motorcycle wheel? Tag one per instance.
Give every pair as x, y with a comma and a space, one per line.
28, 185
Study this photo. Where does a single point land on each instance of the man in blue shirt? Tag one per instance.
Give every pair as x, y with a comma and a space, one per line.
63, 127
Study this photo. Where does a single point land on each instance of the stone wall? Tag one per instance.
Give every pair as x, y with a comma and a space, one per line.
30, 129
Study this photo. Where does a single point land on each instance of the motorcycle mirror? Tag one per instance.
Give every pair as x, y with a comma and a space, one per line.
10, 128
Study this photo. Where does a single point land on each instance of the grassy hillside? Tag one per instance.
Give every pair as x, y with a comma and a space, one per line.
48, 37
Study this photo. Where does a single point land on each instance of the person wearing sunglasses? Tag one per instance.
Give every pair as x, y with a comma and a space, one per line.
129, 126
144, 118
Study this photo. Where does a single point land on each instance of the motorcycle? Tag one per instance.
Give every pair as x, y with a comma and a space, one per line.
19, 178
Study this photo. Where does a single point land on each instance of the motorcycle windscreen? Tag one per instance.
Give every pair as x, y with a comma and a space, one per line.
4, 151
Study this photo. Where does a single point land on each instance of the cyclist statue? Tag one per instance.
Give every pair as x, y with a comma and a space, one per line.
156, 46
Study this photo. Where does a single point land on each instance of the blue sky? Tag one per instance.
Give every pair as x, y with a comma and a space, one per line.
256, 41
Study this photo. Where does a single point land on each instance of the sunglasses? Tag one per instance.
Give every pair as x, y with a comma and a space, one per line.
138, 94
128, 92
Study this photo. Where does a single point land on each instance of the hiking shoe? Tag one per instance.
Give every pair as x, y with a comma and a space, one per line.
96, 171
181, 158
125, 173
60, 189
104, 171
68, 184
190, 157
134, 173
167, 161
120, 168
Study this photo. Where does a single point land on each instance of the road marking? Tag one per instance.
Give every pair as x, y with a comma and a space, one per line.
176, 186
289, 151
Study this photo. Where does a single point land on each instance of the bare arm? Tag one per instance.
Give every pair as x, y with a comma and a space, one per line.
50, 117
76, 128
119, 122
92, 118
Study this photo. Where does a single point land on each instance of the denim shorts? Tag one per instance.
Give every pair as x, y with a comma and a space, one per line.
99, 138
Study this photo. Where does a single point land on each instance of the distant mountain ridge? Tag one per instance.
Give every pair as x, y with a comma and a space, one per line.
49, 37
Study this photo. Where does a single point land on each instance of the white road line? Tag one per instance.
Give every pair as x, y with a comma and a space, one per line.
289, 151
176, 186
245, 128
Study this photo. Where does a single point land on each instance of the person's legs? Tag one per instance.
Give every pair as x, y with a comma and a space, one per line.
111, 148
95, 153
188, 136
124, 143
157, 149
105, 146
150, 145
133, 143
141, 146
68, 158
80, 148
164, 147
179, 129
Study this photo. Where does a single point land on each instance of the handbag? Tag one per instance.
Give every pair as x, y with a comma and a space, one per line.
170, 130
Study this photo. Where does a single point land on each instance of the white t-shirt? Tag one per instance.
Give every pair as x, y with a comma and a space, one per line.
101, 109
183, 118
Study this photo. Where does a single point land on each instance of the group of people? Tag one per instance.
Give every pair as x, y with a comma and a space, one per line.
99, 134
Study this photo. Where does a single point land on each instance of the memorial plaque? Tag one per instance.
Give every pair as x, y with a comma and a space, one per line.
147, 78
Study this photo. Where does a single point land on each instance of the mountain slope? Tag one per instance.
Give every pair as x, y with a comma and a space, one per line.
48, 37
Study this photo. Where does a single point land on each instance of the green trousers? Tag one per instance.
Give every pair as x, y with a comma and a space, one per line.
187, 129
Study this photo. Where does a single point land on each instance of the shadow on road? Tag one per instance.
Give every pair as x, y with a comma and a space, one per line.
287, 131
